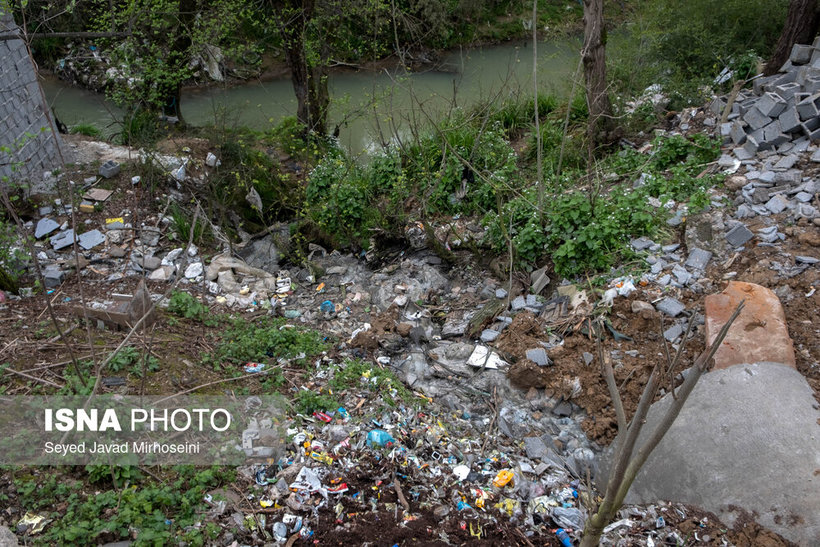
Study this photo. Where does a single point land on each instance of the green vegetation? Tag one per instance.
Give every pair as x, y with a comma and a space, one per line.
264, 340
683, 46
130, 359
307, 402
158, 513
357, 374
186, 305
589, 229
87, 129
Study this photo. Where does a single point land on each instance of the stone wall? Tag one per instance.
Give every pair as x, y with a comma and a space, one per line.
33, 149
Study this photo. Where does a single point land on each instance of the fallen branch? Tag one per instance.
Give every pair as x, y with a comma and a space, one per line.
400, 494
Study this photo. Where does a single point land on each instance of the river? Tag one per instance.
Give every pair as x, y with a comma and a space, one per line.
369, 106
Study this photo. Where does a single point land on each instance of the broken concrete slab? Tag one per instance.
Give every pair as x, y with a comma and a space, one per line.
538, 356
90, 239
44, 227
62, 240
698, 259
777, 204
758, 334
738, 235
720, 452
670, 306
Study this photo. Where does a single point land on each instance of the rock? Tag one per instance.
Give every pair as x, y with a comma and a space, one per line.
758, 334
704, 231
536, 448
116, 252
670, 306
7, 537
735, 182
150, 236
639, 306
262, 253
500, 293
148, 262
519, 303
162, 273
168, 260
641, 243
455, 326
587, 357
44, 227
807, 259
719, 451
193, 270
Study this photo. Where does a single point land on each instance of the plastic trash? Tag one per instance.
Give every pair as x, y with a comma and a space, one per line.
563, 537
568, 517
461, 472
503, 478
292, 314
327, 307
381, 438
31, 523
254, 367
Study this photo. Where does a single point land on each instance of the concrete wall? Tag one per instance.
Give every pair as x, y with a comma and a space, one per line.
22, 114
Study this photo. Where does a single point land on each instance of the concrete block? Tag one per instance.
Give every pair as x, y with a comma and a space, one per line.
771, 105
771, 131
786, 162
737, 134
789, 120
812, 85
717, 106
807, 109
787, 91
53, 277
813, 134
109, 169
756, 119
801, 54
742, 154
751, 145
759, 83
44, 227
738, 235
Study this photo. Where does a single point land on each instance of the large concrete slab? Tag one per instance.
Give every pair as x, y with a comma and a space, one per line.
748, 437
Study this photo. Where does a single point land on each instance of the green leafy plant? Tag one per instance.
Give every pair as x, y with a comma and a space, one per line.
307, 402
245, 341
87, 129
185, 305
131, 360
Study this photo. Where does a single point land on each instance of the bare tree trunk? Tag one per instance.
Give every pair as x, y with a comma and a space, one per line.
800, 28
594, 58
309, 79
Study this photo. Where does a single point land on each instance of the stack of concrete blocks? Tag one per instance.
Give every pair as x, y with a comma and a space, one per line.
32, 149
780, 112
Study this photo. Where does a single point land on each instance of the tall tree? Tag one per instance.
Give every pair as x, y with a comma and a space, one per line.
594, 57
306, 59
801, 27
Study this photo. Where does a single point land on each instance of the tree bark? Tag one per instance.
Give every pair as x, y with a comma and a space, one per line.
309, 78
801, 27
594, 58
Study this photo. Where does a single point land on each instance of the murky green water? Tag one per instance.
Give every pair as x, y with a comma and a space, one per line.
371, 107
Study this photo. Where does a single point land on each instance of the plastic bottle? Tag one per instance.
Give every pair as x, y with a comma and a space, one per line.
380, 437
563, 536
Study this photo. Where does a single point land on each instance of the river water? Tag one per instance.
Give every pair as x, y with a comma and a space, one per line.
370, 107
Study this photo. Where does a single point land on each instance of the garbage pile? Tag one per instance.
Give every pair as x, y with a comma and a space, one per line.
377, 473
